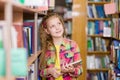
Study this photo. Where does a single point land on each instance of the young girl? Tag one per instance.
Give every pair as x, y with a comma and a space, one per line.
57, 51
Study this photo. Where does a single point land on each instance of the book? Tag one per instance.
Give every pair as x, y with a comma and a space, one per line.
76, 63
2, 63
19, 62
2, 33
1, 38
19, 30
110, 8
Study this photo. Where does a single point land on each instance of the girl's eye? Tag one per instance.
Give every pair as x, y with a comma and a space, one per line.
59, 23
52, 26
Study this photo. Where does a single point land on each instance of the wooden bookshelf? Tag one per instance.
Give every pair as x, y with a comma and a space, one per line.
12, 12
32, 58
69, 19
97, 3
98, 53
98, 38
93, 19
98, 70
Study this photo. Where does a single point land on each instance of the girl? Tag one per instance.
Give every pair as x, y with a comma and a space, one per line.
57, 51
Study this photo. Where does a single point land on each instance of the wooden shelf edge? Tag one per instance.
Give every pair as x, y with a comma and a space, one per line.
101, 2
32, 58
97, 70
2, 78
67, 19
99, 52
22, 7
26, 9
93, 19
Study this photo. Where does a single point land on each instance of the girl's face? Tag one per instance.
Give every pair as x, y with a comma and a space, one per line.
54, 27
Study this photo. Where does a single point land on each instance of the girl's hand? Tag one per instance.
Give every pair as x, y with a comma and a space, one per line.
55, 72
67, 68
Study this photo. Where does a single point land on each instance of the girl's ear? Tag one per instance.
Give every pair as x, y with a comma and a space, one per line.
46, 30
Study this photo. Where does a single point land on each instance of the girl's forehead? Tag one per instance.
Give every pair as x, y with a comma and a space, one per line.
52, 18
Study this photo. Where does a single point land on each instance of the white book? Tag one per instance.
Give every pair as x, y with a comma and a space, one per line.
94, 11
14, 37
76, 63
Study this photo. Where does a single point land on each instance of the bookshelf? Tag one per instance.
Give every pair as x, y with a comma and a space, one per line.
115, 39
99, 39
10, 13
68, 17
108, 40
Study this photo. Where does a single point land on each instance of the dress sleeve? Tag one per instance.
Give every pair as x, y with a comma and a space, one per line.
50, 61
76, 57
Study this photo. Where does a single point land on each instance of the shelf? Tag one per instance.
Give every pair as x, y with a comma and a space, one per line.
93, 19
68, 19
5, 78
97, 70
115, 38
2, 78
98, 3
21, 8
98, 53
97, 35
2, 4
32, 58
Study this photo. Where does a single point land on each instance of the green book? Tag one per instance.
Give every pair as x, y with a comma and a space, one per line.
1, 44
22, 1
19, 62
1, 38
2, 63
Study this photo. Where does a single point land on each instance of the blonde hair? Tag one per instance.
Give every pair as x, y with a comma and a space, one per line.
46, 39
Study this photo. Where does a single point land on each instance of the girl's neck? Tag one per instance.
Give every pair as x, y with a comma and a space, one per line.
57, 41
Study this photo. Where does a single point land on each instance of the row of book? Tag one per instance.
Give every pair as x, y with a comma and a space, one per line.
115, 58
40, 5
105, 28
97, 62
68, 1
97, 27
115, 29
96, 44
97, 76
22, 37
95, 11
117, 5
68, 27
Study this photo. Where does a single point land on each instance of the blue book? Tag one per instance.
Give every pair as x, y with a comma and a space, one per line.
100, 11
97, 27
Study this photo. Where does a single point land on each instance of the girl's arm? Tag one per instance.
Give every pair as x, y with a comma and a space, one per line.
77, 69
44, 73
50, 72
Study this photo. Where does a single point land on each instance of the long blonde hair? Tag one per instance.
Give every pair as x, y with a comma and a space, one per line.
46, 39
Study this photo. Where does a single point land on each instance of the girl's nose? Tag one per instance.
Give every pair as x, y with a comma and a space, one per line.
57, 27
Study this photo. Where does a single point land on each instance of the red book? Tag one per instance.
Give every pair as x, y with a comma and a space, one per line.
19, 29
